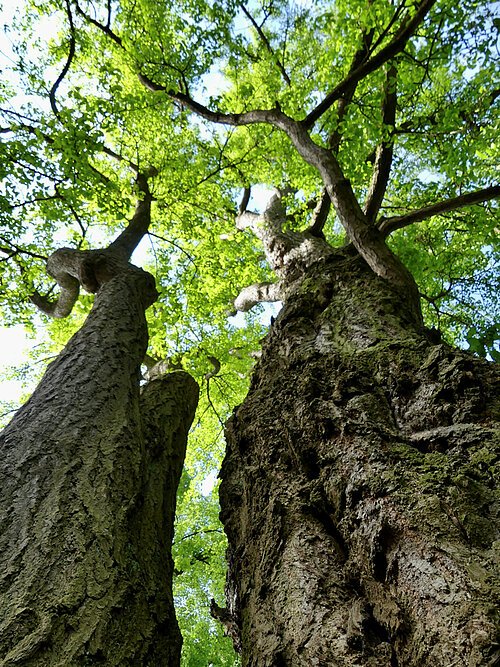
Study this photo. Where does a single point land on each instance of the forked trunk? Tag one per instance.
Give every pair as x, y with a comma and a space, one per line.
89, 472
358, 489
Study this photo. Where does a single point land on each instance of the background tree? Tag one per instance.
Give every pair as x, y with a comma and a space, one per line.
358, 485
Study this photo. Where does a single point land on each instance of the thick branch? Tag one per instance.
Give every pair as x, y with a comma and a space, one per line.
384, 153
253, 294
216, 365
282, 247
131, 236
395, 46
63, 305
70, 269
323, 159
244, 200
389, 225
235, 119
262, 224
365, 237
69, 284
320, 215
90, 269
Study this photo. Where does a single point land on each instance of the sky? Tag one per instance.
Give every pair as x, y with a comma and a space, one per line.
14, 346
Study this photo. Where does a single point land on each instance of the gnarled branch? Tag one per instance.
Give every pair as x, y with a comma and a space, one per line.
90, 269
62, 306
320, 215
258, 293
138, 226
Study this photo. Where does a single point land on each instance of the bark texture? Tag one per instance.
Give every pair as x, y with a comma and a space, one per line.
360, 487
88, 478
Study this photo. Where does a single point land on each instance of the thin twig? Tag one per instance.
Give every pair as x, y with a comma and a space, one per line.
267, 44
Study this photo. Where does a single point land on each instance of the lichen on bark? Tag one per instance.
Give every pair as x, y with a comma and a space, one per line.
360, 486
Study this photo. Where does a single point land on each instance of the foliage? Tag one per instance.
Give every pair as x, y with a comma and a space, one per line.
71, 145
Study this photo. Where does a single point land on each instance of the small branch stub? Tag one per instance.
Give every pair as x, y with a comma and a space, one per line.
224, 616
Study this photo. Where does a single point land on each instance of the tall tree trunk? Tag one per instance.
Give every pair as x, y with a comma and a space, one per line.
358, 490
88, 477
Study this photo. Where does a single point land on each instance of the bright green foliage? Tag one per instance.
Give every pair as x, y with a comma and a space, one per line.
68, 179
199, 575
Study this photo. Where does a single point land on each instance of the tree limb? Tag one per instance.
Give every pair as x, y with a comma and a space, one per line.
395, 46
125, 244
258, 293
364, 236
215, 367
67, 65
384, 152
235, 119
90, 269
389, 225
64, 266
262, 223
62, 306
320, 215
244, 200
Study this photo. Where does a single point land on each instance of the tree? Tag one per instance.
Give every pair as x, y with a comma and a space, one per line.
89, 477
358, 485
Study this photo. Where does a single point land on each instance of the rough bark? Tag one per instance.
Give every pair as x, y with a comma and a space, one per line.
88, 475
358, 490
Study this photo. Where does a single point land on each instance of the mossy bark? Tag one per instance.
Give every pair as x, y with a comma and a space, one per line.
360, 487
89, 473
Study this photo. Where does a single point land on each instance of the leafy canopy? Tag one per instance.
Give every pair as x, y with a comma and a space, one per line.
113, 91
